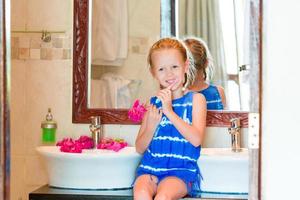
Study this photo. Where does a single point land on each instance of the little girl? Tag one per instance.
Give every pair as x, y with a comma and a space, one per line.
172, 129
215, 95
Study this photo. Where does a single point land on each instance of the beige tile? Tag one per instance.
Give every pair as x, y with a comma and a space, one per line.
218, 137
46, 45
135, 49
35, 43
46, 53
57, 54
17, 113
55, 15
67, 43
57, 42
28, 189
139, 45
24, 42
35, 171
18, 14
66, 54
15, 42
17, 178
35, 53
244, 138
129, 133
111, 130
14, 53
23, 53
48, 85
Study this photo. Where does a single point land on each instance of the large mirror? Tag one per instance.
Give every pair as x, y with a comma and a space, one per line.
110, 69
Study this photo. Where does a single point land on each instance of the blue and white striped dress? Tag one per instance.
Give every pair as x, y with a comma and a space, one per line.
169, 153
213, 98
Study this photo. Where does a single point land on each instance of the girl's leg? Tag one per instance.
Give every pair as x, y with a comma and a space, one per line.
171, 188
145, 187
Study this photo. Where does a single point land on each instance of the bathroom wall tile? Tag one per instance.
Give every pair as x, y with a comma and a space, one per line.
57, 42
57, 54
14, 53
139, 45
18, 14
76, 130
28, 189
67, 42
35, 53
141, 20
111, 130
17, 177
35, 42
46, 54
244, 138
48, 85
23, 53
129, 133
46, 44
14, 42
66, 53
35, 171
55, 15
17, 112
218, 137
24, 42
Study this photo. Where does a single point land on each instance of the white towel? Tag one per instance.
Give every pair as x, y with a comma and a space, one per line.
109, 32
113, 91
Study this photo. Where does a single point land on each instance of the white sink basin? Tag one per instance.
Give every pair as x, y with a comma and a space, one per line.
92, 169
224, 171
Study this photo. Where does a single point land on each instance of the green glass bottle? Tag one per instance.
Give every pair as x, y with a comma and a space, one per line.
49, 129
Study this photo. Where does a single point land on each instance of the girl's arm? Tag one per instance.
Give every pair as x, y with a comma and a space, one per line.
194, 133
223, 97
149, 123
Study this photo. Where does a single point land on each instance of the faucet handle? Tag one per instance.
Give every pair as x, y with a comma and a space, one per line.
95, 120
95, 123
235, 122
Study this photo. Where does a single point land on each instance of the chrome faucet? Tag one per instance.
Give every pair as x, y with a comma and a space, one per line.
235, 132
96, 129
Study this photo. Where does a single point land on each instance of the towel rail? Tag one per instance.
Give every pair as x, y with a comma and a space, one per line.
46, 35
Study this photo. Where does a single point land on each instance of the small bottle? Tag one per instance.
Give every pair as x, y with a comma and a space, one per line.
48, 129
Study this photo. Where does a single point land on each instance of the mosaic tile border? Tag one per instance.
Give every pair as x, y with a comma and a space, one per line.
33, 48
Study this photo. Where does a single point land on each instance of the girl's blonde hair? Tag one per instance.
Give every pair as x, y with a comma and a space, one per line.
201, 55
173, 43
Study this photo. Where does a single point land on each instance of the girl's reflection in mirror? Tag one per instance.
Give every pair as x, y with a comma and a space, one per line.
214, 94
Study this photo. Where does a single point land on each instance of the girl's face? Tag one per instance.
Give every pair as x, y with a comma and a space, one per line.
168, 67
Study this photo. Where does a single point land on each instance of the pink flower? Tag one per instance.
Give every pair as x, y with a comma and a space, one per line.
86, 142
69, 145
65, 142
136, 113
111, 144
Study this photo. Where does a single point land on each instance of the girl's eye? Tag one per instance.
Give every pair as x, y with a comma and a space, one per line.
160, 69
174, 66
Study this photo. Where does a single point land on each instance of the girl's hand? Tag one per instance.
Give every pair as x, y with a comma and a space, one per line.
153, 117
165, 95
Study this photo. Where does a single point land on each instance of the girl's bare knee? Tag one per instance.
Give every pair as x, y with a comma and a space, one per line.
144, 188
142, 194
162, 196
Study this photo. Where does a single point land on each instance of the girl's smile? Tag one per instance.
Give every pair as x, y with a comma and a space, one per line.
169, 68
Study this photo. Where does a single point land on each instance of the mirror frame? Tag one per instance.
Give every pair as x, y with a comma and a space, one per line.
80, 111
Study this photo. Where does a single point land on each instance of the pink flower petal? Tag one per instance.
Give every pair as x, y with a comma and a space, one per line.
85, 142
136, 113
